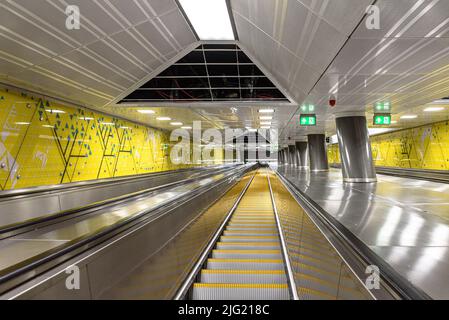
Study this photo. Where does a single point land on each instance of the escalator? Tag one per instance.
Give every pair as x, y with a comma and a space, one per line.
269, 250
247, 262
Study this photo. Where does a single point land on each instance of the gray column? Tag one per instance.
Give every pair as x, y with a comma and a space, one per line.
285, 151
355, 149
317, 152
301, 154
291, 155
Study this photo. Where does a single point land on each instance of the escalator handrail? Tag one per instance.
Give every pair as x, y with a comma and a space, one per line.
290, 275
190, 278
30, 223
396, 283
49, 189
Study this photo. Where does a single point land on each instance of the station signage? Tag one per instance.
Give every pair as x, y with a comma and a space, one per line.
382, 107
307, 120
382, 119
308, 108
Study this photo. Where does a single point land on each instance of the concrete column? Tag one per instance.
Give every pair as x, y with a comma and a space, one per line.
355, 149
301, 154
291, 155
317, 152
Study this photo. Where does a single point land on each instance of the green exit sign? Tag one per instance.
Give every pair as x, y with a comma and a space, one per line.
382, 106
307, 120
382, 119
308, 108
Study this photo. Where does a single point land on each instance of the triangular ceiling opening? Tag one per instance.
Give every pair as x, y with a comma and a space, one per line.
209, 73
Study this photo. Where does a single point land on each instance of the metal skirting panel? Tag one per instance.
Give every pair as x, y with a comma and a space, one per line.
425, 147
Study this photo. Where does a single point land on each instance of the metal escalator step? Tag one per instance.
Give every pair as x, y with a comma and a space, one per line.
266, 228
245, 264
248, 238
234, 291
257, 222
248, 245
250, 233
310, 294
254, 214
252, 224
243, 276
246, 254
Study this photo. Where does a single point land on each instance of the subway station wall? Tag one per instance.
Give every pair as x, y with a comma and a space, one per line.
425, 147
44, 142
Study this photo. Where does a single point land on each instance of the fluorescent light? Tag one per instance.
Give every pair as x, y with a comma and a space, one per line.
433, 109
441, 101
251, 129
266, 123
146, 111
108, 123
163, 118
393, 121
54, 111
86, 118
265, 127
124, 127
265, 117
373, 131
266, 110
48, 126
176, 123
209, 18
186, 127
409, 116
22, 123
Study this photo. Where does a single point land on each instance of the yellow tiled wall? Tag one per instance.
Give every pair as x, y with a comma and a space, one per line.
39, 146
425, 147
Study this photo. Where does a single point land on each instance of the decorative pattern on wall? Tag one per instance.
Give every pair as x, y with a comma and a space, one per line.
425, 147
44, 143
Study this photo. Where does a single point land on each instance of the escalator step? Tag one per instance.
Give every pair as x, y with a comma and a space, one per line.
234, 291
249, 233
248, 245
243, 276
246, 254
248, 238
246, 264
264, 228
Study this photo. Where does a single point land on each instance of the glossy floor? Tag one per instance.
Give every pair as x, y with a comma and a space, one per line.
405, 221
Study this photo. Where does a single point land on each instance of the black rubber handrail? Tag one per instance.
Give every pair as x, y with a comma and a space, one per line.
395, 282
47, 189
11, 229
